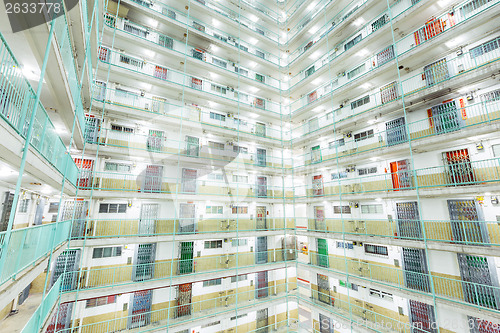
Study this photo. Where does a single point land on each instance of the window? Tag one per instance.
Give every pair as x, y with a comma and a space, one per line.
371, 209
353, 42
239, 316
216, 145
107, 252
310, 71
112, 208
367, 171
259, 77
363, 135
214, 210
485, 48
376, 249
339, 175
214, 282
240, 150
342, 209
490, 96
93, 302
360, 102
496, 150
240, 179
241, 71
53, 207
131, 61
121, 128
213, 244
336, 143
240, 210
219, 62
222, 38
23, 206
260, 54
217, 116
113, 166
238, 121
215, 176
239, 242
345, 245
356, 71
219, 89
348, 285
211, 324
239, 278
380, 294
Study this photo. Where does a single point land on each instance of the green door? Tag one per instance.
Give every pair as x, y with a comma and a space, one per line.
322, 253
186, 259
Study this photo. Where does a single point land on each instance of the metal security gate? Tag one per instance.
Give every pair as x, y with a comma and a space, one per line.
92, 126
189, 180
319, 218
323, 288
140, 311
325, 324
460, 170
464, 218
147, 221
262, 187
23, 295
422, 317
159, 105
100, 90
61, 320
401, 174
316, 154
385, 55
75, 210
261, 250
262, 321
289, 246
479, 276
396, 131
408, 220
322, 252
436, 72
261, 157
155, 140
192, 146
446, 118
66, 264
186, 258
415, 269
40, 206
187, 218
313, 124
262, 285
317, 185
6, 209
261, 222
144, 262
477, 325
152, 178
184, 292
389, 92
85, 167
260, 129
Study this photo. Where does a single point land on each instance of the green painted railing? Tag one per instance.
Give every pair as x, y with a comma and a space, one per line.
37, 320
16, 104
28, 245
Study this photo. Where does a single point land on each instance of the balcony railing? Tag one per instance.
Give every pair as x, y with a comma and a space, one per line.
106, 228
16, 107
445, 288
477, 233
124, 274
207, 29
158, 72
175, 312
158, 38
28, 245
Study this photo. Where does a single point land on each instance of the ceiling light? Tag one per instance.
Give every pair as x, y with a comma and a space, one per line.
314, 29
253, 18
359, 21
311, 6
378, 199
317, 81
216, 23
254, 89
315, 55
252, 64
362, 53
252, 40
254, 115
149, 53
454, 42
366, 85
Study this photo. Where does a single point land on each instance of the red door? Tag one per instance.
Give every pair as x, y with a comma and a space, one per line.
184, 300
401, 174
459, 166
85, 166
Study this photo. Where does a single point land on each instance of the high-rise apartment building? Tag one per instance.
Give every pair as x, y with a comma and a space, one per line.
210, 166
